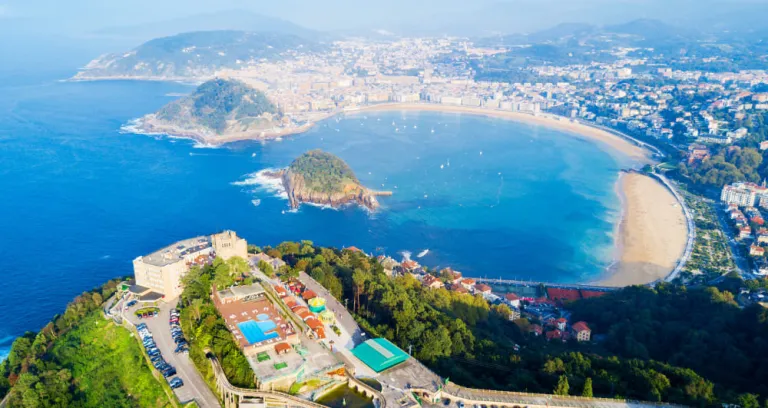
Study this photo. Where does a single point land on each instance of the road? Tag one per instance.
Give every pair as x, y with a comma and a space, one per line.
742, 264
343, 317
195, 388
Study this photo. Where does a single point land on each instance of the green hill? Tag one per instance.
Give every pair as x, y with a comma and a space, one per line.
323, 172
215, 103
81, 359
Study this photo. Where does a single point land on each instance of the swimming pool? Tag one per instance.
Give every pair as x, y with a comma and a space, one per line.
256, 332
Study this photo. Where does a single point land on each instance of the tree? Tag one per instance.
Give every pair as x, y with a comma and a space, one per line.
748, 401
266, 268
587, 392
238, 265
562, 386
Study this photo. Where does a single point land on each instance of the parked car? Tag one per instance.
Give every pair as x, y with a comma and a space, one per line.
132, 302
176, 382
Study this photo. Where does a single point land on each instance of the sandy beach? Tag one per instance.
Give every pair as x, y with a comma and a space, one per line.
651, 235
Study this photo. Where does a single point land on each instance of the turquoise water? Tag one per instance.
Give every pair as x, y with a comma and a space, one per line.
81, 199
256, 332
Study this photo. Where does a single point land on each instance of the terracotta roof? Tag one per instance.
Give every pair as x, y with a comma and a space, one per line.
468, 281
511, 297
580, 326
554, 334
482, 287
308, 294
280, 348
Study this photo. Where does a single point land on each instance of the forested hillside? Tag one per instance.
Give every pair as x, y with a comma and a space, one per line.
81, 359
667, 344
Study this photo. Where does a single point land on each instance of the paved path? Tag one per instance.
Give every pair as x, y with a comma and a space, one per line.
194, 387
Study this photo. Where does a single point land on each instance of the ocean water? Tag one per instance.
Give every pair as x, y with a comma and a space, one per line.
81, 199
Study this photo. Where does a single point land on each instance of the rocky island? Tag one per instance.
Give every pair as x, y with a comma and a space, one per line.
219, 111
321, 178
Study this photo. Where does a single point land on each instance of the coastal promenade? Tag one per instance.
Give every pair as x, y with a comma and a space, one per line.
514, 282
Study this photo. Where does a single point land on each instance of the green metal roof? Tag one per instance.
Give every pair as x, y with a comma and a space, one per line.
379, 354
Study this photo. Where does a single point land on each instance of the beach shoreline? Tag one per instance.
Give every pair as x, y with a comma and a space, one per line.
634, 261
651, 232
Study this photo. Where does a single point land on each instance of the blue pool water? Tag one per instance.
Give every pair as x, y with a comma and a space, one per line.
256, 332
262, 317
81, 199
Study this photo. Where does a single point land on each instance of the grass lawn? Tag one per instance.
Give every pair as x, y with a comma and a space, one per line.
108, 365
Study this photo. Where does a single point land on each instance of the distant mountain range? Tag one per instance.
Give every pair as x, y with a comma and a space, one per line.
233, 20
645, 32
196, 55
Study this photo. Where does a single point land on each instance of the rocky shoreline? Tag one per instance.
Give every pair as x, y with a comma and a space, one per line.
298, 193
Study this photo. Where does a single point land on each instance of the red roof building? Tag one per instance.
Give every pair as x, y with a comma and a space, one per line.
583, 333
563, 294
554, 334
535, 329
459, 288
308, 294
482, 288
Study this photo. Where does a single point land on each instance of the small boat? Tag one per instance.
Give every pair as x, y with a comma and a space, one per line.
256, 202
422, 253
432, 131
253, 154
414, 126
481, 152
441, 166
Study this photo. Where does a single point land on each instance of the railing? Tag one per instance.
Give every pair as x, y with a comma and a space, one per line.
288, 399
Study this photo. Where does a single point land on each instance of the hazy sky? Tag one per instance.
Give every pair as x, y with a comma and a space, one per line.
521, 15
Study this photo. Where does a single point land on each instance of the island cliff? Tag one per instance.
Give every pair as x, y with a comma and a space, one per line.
321, 178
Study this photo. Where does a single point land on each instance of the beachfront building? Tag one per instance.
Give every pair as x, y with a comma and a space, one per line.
227, 244
745, 195
161, 271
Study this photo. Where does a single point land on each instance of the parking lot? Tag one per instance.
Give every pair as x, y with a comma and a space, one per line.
194, 388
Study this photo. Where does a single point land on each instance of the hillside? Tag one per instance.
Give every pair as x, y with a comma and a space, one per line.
218, 109
318, 177
81, 359
195, 55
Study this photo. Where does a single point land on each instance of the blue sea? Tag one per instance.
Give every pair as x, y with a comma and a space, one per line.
81, 198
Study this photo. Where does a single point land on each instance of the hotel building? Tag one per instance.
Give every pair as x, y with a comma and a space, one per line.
161, 271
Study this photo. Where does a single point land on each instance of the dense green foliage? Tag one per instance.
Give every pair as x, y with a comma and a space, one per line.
462, 337
699, 329
206, 330
725, 167
217, 101
323, 172
81, 360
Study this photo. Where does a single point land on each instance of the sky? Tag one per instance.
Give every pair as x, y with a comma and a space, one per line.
77, 16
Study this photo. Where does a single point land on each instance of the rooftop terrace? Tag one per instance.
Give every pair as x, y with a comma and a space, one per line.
177, 251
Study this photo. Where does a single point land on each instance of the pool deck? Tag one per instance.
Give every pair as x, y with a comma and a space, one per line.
238, 312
